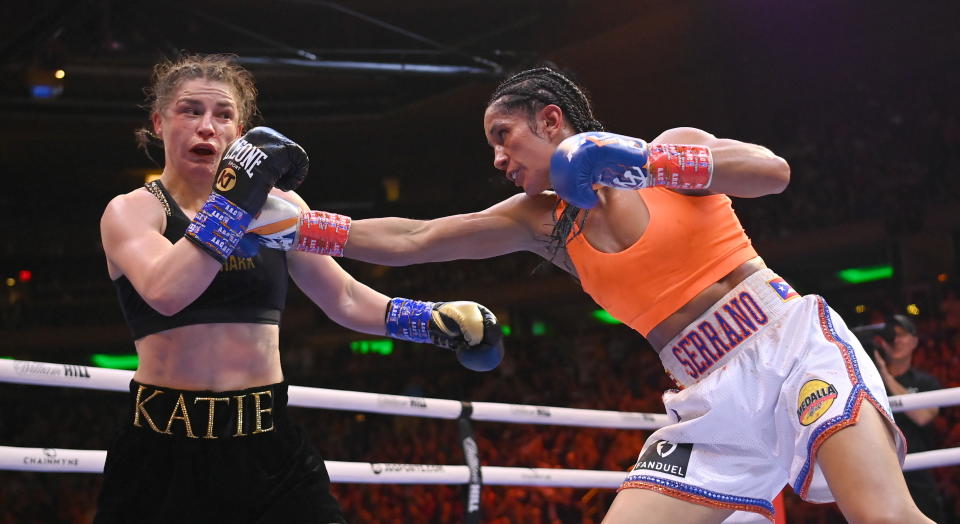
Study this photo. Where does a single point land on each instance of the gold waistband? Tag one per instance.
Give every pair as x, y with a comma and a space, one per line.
206, 414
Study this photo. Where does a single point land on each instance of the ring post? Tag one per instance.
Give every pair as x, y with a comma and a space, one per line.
471, 455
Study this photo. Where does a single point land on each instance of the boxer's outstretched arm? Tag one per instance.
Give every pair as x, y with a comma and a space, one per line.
467, 328
513, 225
345, 300
507, 227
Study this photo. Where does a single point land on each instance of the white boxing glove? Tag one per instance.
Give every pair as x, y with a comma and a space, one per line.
282, 225
276, 225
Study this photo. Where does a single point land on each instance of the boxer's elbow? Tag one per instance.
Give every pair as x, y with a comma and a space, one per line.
779, 175
165, 301
167, 308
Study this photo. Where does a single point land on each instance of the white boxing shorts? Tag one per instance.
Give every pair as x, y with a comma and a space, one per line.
766, 375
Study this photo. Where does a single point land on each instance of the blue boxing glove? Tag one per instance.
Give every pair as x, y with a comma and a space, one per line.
583, 161
465, 327
607, 159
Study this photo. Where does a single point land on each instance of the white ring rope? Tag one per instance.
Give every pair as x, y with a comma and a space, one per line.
58, 460
925, 399
91, 461
68, 375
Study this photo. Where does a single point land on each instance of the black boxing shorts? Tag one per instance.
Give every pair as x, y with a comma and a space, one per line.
204, 456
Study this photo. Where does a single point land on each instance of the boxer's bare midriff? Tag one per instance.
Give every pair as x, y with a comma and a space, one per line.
675, 323
211, 357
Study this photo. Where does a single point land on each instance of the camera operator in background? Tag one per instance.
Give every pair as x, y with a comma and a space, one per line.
894, 346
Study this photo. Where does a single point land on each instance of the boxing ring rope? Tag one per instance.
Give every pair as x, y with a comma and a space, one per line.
91, 461
58, 460
68, 375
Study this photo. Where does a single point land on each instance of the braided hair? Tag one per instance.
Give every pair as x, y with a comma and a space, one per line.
532, 90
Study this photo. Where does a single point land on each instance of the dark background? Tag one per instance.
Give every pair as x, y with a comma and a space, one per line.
859, 96
853, 95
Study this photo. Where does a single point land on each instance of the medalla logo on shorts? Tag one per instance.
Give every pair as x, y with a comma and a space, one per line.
666, 457
815, 398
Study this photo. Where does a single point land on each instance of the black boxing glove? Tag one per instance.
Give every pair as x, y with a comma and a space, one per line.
251, 166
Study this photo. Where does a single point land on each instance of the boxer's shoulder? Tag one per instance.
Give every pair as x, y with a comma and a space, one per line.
138, 206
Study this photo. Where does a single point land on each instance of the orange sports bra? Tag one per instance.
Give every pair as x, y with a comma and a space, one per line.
690, 243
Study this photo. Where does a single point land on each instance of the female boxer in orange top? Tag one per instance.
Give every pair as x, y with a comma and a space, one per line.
773, 388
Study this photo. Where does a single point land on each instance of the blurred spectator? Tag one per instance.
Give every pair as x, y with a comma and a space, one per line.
896, 345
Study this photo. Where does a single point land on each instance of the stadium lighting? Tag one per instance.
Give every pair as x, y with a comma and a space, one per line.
103, 360
859, 275
604, 317
380, 346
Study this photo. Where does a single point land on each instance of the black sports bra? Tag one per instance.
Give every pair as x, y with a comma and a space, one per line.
247, 290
